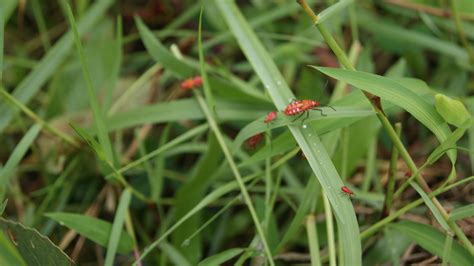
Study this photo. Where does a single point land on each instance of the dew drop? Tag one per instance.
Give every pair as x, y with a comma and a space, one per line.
278, 82
266, 86
305, 126
319, 151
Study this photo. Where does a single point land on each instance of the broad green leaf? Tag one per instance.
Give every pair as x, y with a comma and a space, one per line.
342, 117
305, 134
452, 111
395, 93
221, 258
48, 65
92, 228
462, 212
9, 254
183, 69
34, 248
433, 241
117, 226
17, 155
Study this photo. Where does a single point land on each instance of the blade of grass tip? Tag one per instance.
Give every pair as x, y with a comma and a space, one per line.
48, 65
18, 153
96, 111
306, 138
206, 86
117, 227
213, 125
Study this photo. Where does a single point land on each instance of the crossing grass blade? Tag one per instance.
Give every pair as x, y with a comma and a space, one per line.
305, 135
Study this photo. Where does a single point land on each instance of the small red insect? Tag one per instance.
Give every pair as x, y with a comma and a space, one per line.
347, 191
270, 117
408, 174
300, 106
253, 141
191, 83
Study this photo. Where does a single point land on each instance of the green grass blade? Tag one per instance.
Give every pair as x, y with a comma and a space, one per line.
305, 136
186, 109
20, 150
439, 217
343, 117
49, 64
94, 104
397, 94
92, 228
462, 212
221, 258
6, 9
117, 226
433, 241
333, 10
175, 256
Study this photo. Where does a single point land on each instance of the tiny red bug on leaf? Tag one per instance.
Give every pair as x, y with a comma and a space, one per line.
408, 174
253, 141
300, 106
270, 117
347, 191
191, 83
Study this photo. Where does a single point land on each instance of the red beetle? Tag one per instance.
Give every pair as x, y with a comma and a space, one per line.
191, 83
270, 117
300, 106
253, 141
347, 191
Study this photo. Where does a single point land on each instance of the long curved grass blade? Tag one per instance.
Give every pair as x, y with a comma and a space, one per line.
342, 117
433, 241
29, 86
305, 135
397, 94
